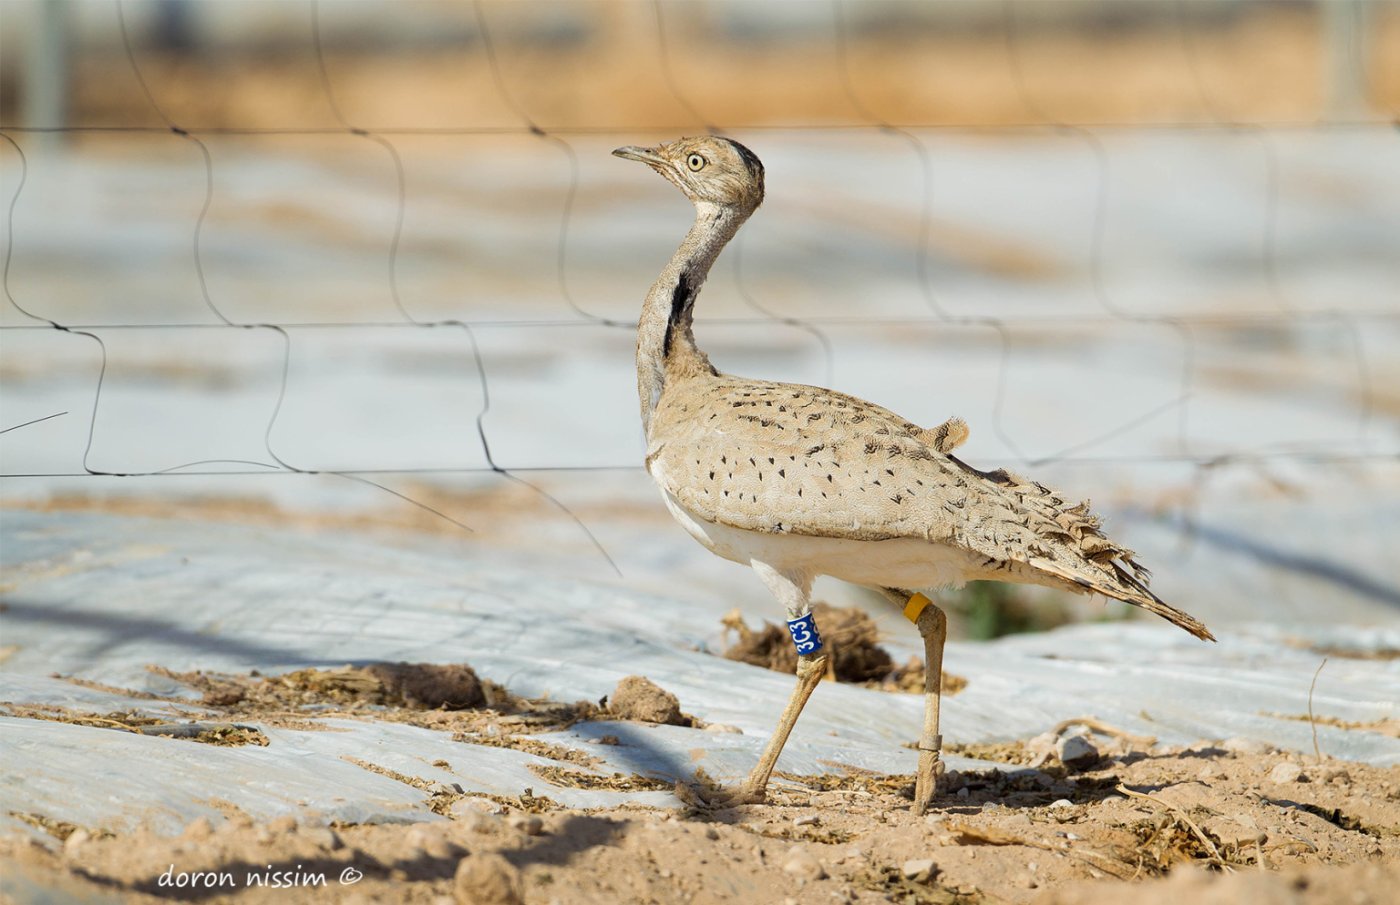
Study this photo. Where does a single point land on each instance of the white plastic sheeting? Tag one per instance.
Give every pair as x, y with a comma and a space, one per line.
101, 597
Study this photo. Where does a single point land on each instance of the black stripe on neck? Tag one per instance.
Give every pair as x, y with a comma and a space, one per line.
681, 300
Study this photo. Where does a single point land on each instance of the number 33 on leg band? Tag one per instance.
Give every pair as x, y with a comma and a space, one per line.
804, 634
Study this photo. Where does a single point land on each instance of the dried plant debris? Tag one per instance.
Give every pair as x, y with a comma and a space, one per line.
414, 686
615, 782
890, 881
450, 697
847, 778
58, 829
209, 733
417, 782
702, 794
1013, 752
852, 640
1389, 726
441, 796
849, 633
527, 745
1341, 651
1174, 836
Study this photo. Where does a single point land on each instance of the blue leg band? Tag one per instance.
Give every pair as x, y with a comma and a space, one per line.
804, 634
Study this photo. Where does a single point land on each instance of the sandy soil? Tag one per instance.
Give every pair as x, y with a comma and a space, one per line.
1219, 821
1210, 820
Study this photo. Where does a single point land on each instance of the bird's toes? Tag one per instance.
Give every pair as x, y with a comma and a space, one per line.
716, 798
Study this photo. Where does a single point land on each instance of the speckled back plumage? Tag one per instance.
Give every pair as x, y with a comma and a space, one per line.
787, 458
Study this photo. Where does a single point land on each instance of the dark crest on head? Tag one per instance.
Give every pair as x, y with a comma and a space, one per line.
755, 166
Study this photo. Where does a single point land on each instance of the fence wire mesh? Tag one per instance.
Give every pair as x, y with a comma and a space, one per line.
1162, 301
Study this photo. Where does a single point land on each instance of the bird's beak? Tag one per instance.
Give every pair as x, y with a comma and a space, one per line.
645, 155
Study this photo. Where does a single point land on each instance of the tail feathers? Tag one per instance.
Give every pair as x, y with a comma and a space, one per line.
1127, 587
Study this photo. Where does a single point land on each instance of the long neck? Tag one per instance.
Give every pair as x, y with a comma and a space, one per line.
665, 341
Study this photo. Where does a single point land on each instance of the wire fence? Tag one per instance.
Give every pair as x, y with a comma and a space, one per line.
1341, 332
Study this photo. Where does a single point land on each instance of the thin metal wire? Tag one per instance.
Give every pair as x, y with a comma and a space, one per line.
1145, 459
16, 427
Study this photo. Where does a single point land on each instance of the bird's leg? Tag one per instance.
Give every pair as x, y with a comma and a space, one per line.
810, 670
933, 626
793, 590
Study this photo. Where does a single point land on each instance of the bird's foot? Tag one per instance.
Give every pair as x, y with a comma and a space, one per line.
744, 794
926, 780
707, 795
717, 799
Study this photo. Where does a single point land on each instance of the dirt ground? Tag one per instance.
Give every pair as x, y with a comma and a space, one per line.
1221, 822
1210, 821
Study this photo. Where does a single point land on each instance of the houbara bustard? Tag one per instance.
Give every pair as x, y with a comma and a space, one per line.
798, 481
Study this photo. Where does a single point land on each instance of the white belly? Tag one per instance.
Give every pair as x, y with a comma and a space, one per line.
898, 563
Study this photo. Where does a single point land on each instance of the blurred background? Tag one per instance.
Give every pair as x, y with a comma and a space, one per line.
368, 270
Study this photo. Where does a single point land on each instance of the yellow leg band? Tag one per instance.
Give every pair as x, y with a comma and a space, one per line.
915, 607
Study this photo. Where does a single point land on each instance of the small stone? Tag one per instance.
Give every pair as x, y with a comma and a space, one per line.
919, 870
1286, 772
528, 824
1240, 745
963, 792
803, 865
487, 879
1337, 776
990, 806
473, 818
723, 728
1077, 752
805, 820
76, 840
1042, 745
711, 833
481, 806
1062, 803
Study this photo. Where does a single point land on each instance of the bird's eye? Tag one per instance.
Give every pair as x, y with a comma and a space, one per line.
696, 163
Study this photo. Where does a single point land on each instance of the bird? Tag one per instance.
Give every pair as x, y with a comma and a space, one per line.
798, 481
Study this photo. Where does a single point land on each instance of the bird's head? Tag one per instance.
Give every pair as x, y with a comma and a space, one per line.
709, 170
